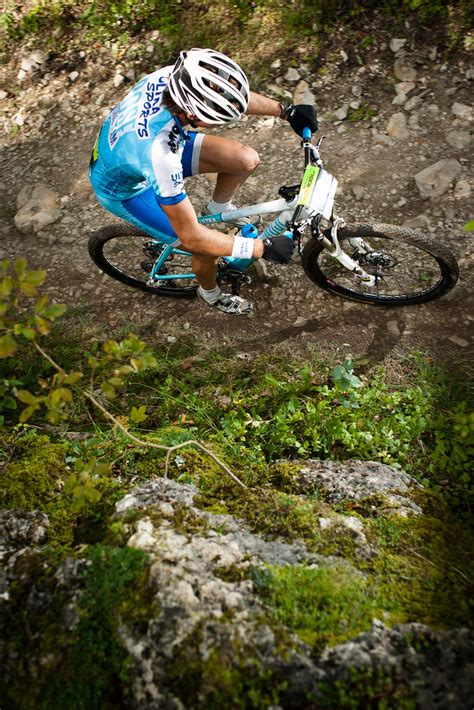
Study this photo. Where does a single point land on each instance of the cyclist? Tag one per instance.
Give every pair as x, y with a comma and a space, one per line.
145, 150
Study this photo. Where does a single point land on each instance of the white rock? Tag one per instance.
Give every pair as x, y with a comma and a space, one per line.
21, 76
344, 55
342, 112
413, 102
358, 191
292, 75
396, 44
276, 64
37, 207
435, 180
433, 53
303, 94
38, 57
357, 90
118, 80
462, 111
397, 126
184, 593
19, 118
3, 95
413, 122
462, 190
393, 328
73, 76
399, 100
143, 538
404, 87
267, 123
325, 523
380, 138
459, 341
403, 71
419, 222
459, 139
355, 104
27, 64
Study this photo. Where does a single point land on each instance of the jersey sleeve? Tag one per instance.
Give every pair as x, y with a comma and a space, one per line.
164, 170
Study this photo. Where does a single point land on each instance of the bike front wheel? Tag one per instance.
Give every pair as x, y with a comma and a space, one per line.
408, 267
127, 254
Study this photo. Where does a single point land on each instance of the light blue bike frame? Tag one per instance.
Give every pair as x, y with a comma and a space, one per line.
284, 208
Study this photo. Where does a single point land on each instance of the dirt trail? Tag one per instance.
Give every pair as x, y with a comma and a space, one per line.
375, 175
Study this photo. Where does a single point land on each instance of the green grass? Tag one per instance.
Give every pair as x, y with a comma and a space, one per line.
251, 32
322, 605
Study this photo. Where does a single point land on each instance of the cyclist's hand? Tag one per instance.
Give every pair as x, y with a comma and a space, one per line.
278, 249
302, 116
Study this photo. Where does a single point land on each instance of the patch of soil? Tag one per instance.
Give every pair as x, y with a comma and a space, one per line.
376, 183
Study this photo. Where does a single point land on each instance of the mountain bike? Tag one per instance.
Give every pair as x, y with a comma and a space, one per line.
375, 263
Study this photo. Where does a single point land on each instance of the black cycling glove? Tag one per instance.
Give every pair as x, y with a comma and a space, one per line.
301, 116
278, 249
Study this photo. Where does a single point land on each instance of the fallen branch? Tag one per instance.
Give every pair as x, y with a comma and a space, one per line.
141, 442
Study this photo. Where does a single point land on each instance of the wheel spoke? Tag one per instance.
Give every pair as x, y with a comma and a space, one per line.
409, 267
131, 257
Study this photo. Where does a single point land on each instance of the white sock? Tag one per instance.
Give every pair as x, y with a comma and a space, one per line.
210, 296
215, 207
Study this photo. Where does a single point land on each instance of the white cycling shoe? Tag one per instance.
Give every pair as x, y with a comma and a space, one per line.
227, 303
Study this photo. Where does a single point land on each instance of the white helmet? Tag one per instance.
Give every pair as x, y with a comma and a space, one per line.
209, 85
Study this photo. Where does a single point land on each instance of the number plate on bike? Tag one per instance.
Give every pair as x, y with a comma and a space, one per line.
322, 196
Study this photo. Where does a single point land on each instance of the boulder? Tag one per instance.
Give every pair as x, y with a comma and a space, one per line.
403, 71
37, 208
436, 179
459, 139
303, 94
462, 111
355, 480
397, 127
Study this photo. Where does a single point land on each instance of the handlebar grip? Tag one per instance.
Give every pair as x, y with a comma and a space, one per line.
306, 134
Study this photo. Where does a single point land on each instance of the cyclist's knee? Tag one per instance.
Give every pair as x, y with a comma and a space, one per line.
248, 159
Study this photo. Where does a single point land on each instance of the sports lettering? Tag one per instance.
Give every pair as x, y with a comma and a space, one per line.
136, 110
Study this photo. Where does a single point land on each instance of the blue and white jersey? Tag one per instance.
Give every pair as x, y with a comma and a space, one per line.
140, 146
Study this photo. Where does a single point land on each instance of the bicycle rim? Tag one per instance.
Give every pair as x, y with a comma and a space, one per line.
409, 267
128, 255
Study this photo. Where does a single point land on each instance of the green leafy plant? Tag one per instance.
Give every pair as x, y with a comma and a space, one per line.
363, 113
24, 320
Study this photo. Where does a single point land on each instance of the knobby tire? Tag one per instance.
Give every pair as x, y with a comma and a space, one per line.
417, 257
119, 250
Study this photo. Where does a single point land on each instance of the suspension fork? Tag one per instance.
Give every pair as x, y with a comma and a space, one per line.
335, 250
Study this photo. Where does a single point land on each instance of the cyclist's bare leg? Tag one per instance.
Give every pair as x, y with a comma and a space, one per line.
232, 161
205, 268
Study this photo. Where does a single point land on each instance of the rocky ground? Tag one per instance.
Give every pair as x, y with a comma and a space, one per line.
190, 624
207, 638
51, 112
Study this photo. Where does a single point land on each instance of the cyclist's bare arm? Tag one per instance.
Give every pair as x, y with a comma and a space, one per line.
196, 237
262, 106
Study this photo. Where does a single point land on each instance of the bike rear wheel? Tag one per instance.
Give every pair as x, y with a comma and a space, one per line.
409, 267
127, 254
